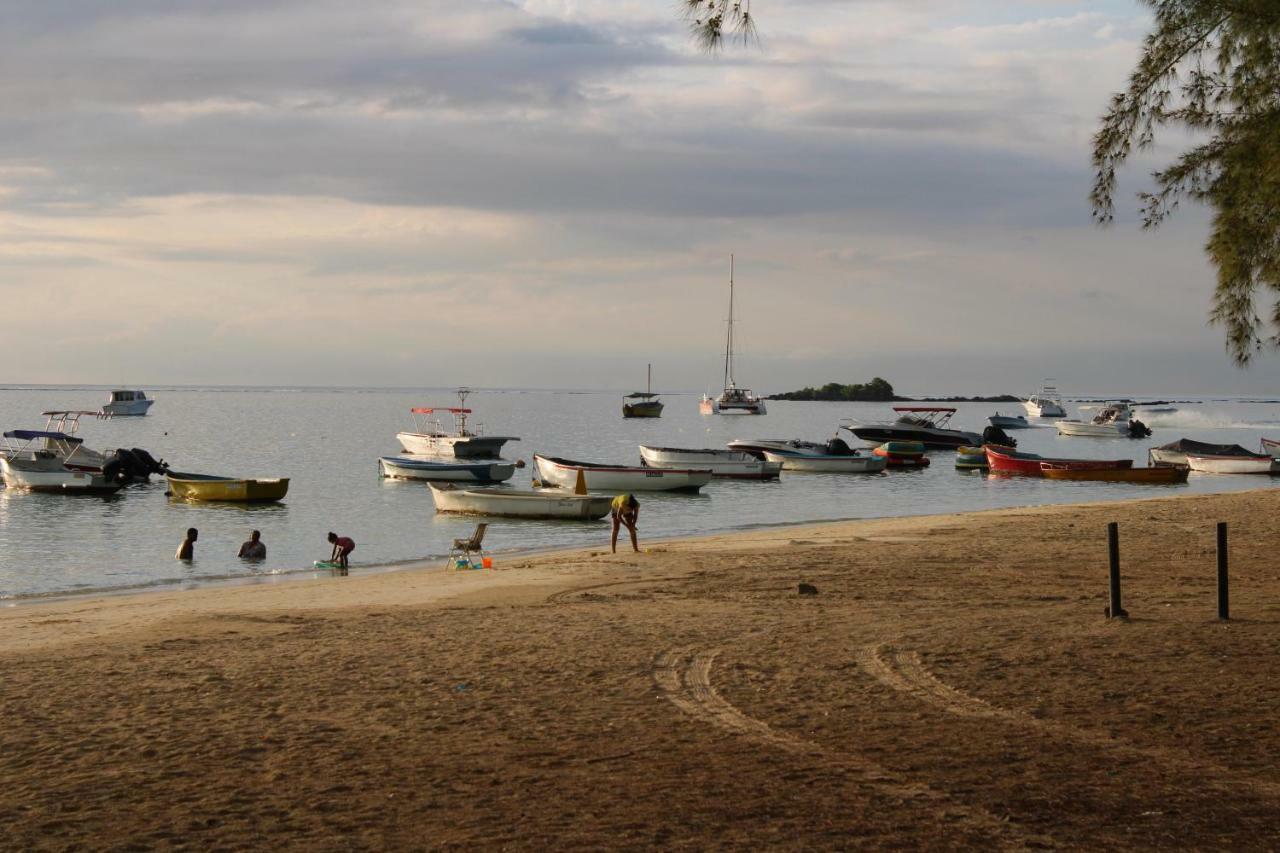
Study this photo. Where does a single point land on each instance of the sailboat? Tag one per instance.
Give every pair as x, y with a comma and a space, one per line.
646, 404
732, 400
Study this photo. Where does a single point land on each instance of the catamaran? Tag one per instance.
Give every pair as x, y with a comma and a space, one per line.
732, 400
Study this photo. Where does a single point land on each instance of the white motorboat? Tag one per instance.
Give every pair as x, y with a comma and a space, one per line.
757, 446
566, 473
723, 463
1045, 403
1008, 421
429, 438
521, 503
417, 468
732, 400
853, 463
929, 425
127, 404
40, 465
1271, 446
1211, 464
1114, 420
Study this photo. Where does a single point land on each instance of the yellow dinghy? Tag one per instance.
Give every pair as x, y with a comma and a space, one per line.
206, 487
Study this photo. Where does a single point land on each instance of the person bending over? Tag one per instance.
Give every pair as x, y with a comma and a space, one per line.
342, 546
625, 510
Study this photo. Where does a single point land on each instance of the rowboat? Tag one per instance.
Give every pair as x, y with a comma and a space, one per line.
903, 454
410, 468
1155, 474
1262, 463
553, 471
207, 487
723, 463
971, 458
431, 439
1006, 460
854, 463
520, 503
1175, 452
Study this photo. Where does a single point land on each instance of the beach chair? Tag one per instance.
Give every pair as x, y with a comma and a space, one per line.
466, 547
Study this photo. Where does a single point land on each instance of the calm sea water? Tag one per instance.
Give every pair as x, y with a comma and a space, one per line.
328, 442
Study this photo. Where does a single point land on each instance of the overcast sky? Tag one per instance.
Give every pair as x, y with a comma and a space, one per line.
546, 193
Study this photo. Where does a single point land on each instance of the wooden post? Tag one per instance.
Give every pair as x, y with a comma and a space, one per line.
1114, 610
1223, 606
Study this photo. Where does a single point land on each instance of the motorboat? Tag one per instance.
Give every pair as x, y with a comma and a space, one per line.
1175, 452
971, 458
1260, 463
643, 404
1156, 474
429, 438
925, 424
903, 454
208, 487
122, 465
723, 463
123, 403
430, 468
831, 463
732, 400
757, 446
36, 461
1045, 403
521, 503
1006, 460
1009, 421
570, 474
1114, 420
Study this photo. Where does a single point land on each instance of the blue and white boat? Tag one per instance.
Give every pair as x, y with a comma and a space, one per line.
418, 468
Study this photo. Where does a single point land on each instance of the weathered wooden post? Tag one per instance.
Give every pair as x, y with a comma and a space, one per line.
1114, 610
1224, 609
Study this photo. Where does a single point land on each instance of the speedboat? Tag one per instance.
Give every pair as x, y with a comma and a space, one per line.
848, 463
723, 463
208, 487
1045, 403
925, 424
122, 465
431, 439
1114, 420
127, 404
569, 474
478, 471
1008, 421
732, 400
1006, 460
521, 503
41, 465
1175, 452
643, 404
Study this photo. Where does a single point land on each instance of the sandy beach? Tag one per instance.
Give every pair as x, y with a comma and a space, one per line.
954, 683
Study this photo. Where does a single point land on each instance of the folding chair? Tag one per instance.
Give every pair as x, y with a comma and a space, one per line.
466, 547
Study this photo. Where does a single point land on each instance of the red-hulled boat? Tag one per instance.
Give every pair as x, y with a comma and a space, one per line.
1006, 460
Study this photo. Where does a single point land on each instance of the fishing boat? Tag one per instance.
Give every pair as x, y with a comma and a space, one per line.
1271, 447
647, 404
1156, 474
208, 487
1045, 403
36, 461
1261, 463
903, 454
971, 458
1006, 460
1175, 452
928, 425
429, 438
566, 473
723, 463
411, 468
1009, 421
757, 446
851, 463
521, 503
1114, 420
123, 403
732, 400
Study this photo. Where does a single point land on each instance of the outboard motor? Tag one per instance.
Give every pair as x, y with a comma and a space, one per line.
148, 462
1137, 429
113, 470
838, 447
994, 435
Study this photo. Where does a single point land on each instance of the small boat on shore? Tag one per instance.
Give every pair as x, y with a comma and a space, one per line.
1006, 460
1155, 475
431, 439
520, 503
852, 463
566, 473
903, 454
411, 468
646, 403
928, 425
735, 464
1261, 463
209, 487
127, 404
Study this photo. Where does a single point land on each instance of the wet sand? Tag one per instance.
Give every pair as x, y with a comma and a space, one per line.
953, 683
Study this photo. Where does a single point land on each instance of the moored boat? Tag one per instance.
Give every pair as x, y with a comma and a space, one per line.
1175, 452
521, 503
411, 468
732, 400
971, 458
1045, 403
903, 454
853, 463
1006, 460
566, 473
431, 439
127, 404
1260, 463
757, 446
1008, 421
1271, 447
1155, 474
209, 487
723, 463
928, 425
643, 404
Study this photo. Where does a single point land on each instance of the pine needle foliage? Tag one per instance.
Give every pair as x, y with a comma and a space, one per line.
711, 20
1210, 67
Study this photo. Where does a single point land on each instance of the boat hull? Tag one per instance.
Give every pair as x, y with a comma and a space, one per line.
131, 409
1234, 464
1154, 475
937, 438
1009, 422
1118, 429
1271, 447
757, 446
454, 446
971, 458
53, 478
516, 503
710, 406
402, 468
852, 464
203, 487
1009, 461
620, 478
738, 465
642, 410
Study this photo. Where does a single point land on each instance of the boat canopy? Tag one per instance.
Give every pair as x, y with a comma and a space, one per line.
428, 411
32, 434
922, 409
640, 394
1200, 448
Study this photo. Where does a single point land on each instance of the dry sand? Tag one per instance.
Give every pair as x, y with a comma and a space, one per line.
953, 684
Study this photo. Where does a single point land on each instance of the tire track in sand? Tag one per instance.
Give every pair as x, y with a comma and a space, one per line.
684, 677
566, 595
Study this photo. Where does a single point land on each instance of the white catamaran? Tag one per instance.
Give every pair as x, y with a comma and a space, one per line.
732, 400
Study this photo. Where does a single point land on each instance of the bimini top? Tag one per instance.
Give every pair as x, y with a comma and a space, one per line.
439, 409
921, 409
29, 434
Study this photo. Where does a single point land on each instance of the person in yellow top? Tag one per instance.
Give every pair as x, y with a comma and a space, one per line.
625, 510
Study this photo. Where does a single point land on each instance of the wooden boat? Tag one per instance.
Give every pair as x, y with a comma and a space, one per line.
853, 463
1006, 460
1155, 474
723, 463
552, 471
903, 454
1262, 463
207, 487
646, 405
521, 503
971, 458
732, 400
411, 468
431, 439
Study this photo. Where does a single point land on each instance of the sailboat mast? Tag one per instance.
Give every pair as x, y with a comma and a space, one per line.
728, 338
648, 382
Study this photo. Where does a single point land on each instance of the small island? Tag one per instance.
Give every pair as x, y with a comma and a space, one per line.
878, 391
